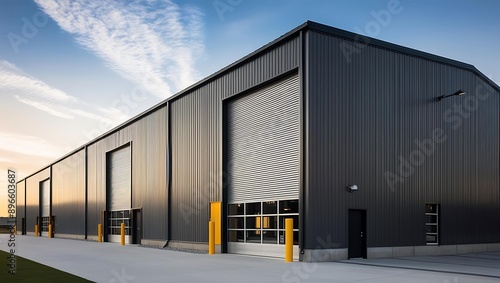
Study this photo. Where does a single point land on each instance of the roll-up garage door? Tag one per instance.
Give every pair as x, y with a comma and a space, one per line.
263, 144
119, 179
45, 207
45, 198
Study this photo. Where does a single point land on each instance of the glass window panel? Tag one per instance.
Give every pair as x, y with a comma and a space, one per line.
253, 236
431, 238
269, 222
236, 236
236, 223
236, 209
431, 218
295, 237
431, 208
295, 221
431, 228
289, 206
269, 237
270, 207
253, 222
253, 208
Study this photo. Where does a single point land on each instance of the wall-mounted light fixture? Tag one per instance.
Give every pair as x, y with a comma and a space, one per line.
456, 93
352, 188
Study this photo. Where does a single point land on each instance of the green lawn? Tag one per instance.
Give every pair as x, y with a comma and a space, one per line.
30, 271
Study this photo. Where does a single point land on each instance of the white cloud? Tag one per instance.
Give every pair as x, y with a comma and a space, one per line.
44, 107
5, 159
152, 43
37, 94
29, 145
13, 80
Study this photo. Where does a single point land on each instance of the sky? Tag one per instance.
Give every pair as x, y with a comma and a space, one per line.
71, 70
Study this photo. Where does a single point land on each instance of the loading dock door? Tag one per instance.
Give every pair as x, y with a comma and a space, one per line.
263, 149
119, 192
44, 207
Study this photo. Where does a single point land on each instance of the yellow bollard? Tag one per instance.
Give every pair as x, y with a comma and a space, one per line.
50, 230
99, 233
211, 237
122, 234
289, 240
36, 230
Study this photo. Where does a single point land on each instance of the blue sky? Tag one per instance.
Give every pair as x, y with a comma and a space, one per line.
72, 69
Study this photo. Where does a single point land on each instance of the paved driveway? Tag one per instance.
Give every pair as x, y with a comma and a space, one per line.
109, 262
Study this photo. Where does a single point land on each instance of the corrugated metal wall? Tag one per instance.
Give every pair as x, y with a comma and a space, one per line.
148, 137
196, 133
21, 205
68, 195
372, 109
33, 198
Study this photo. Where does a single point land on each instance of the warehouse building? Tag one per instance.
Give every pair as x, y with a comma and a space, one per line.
374, 149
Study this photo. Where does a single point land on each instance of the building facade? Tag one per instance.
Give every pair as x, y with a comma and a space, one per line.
343, 133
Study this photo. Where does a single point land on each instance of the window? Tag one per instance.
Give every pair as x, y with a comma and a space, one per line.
116, 218
432, 224
262, 222
45, 224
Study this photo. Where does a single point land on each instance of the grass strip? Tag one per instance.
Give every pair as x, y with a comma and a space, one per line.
30, 271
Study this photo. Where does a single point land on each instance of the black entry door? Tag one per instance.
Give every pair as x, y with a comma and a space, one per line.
357, 233
136, 226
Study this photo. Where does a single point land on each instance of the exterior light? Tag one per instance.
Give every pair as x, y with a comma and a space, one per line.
352, 188
456, 93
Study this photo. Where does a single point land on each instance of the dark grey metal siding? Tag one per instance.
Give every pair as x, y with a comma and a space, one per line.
68, 195
148, 137
21, 204
33, 198
369, 111
119, 179
196, 137
263, 144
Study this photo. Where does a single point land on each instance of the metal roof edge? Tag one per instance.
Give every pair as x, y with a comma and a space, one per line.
366, 40
304, 26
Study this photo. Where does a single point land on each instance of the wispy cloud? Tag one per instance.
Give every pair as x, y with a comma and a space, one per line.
153, 43
13, 79
29, 145
36, 93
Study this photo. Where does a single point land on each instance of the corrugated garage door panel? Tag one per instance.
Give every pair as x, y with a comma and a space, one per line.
45, 198
119, 180
263, 143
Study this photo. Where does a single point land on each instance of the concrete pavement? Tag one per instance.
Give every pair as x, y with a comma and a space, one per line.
110, 262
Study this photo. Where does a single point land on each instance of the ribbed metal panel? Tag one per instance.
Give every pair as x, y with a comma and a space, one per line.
33, 198
263, 144
148, 138
119, 179
45, 198
21, 204
68, 195
196, 138
368, 110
